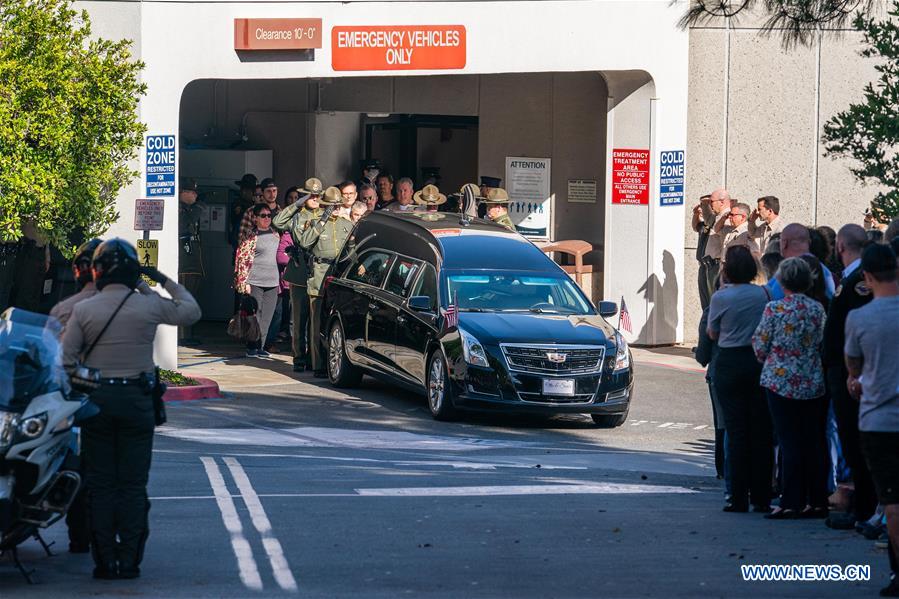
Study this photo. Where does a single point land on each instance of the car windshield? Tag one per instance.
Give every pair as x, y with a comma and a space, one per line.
539, 293
30, 358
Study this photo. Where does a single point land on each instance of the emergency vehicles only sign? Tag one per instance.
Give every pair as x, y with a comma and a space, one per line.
160, 165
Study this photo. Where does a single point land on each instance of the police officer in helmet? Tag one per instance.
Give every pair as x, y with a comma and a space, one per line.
113, 331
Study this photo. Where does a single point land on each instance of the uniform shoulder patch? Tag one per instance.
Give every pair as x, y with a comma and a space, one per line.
838, 291
862, 289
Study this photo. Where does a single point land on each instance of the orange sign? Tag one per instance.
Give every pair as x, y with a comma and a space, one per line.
277, 34
397, 47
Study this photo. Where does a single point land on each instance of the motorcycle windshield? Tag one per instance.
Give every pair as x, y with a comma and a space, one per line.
30, 358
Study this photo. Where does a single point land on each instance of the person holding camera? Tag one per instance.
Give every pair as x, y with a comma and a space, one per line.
113, 332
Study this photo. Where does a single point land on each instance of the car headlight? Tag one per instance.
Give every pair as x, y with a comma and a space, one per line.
622, 355
33, 426
472, 350
8, 422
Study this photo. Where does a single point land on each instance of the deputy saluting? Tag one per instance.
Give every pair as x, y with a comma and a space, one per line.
113, 332
84, 276
323, 239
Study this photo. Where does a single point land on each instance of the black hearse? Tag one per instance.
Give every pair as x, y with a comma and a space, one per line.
472, 315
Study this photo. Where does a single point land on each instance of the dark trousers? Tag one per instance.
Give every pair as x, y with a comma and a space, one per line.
800, 425
78, 517
316, 352
118, 446
702, 279
299, 307
711, 278
846, 411
749, 444
28, 282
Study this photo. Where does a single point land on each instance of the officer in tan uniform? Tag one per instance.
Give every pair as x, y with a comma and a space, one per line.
497, 207
113, 332
84, 276
77, 517
324, 240
296, 218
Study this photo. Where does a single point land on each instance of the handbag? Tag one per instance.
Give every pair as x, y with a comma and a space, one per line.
82, 378
244, 325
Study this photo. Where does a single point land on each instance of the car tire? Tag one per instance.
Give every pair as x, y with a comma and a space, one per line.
437, 388
341, 372
609, 420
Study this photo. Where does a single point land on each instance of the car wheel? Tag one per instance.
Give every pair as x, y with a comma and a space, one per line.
609, 420
437, 388
340, 372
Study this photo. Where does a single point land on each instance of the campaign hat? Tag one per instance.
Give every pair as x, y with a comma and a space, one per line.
473, 189
331, 197
497, 195
188, 184
429, 195
313, 186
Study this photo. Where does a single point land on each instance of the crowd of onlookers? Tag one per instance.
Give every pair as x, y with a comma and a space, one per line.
800, 333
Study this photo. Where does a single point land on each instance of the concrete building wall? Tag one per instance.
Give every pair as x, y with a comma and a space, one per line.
755, 119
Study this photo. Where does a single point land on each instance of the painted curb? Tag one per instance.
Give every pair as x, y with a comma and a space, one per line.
207, 389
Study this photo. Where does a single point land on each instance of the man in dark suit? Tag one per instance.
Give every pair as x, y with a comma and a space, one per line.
851, 294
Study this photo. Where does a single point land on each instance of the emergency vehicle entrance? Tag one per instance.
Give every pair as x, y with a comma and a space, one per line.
464, 126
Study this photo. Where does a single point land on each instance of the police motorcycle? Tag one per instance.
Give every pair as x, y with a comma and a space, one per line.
38, 410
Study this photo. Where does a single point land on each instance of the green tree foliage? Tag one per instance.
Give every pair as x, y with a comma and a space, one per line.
68, 121
797, 22
869, 132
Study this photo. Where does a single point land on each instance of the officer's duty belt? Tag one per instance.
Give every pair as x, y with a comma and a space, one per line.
318, 260
136, 380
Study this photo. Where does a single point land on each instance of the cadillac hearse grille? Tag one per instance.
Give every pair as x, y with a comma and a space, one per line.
554, 359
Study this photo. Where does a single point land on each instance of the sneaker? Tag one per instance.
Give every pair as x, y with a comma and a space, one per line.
870, 531
883, 541
252, 353
261, 353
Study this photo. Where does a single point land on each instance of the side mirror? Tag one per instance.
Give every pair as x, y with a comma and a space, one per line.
420, 303
607, 309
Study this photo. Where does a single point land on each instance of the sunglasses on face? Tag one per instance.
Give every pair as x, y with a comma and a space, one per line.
264, 215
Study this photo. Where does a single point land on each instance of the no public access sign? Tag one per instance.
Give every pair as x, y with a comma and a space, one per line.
397, 47
630, 176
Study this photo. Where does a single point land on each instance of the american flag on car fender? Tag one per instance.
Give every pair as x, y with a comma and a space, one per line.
450, 316
624, 317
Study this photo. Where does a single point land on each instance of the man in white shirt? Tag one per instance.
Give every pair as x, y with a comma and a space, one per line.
738, 234
769, 212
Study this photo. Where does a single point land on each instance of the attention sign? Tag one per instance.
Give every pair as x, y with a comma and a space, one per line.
277, 34
397, 47
630, 176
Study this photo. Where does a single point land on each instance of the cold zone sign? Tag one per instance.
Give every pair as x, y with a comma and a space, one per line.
160, 165
630, 176
398, 47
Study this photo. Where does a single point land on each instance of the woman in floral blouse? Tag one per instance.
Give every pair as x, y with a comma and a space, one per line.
256, 272
787, 342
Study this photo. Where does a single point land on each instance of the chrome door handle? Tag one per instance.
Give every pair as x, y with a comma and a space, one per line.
400, 319
373, 306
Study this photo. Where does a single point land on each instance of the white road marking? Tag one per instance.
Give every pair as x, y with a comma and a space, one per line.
280, 568
579, 489
336, 437
665, 425
249, 573
700, 427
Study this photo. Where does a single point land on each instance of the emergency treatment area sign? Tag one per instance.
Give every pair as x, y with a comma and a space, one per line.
671, 178
397, 47
160, 165
630, 176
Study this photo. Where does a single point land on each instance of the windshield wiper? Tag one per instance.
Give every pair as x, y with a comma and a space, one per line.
542, 311
472, 310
